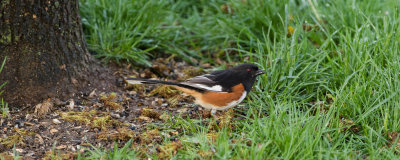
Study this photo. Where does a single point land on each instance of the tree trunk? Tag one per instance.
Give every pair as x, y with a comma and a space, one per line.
46, 52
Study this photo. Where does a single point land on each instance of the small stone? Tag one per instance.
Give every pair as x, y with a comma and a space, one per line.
56, 121
133, 127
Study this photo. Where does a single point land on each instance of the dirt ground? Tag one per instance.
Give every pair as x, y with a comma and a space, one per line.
101, 119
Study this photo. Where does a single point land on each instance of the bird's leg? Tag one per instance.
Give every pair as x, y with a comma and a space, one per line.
195, 107
213, 111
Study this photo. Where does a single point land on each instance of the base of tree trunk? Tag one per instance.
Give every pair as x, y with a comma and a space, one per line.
26, 86
46, 53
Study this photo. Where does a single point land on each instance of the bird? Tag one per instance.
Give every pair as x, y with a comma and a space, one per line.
219, 90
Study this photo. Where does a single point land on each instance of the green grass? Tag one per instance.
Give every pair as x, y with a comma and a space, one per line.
331, 92
4, 105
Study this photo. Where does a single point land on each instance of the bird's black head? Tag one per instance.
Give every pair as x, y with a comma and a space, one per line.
247, 73
248, 69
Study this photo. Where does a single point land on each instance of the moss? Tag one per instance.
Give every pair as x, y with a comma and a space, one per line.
11, 140
52, 155
92, 118
136, 87
164, 91
101, 122
190, 72
24, 132
147, 112
168, 150
16, 138
110, 101
6, 38
150, 136
81, 117
123, 134
174, 101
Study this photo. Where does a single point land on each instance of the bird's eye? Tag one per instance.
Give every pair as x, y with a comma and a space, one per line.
249, 70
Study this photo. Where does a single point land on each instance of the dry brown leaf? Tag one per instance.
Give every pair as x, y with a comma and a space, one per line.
43, 108
61, 147
144, 118
39, 139
52, 131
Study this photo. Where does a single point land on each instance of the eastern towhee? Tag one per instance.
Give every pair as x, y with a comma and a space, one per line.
218, 90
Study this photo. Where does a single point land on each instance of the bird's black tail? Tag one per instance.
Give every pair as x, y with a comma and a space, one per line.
150, 81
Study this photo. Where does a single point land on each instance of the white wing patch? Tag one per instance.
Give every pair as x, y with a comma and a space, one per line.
216, 88
202, 81
135, 81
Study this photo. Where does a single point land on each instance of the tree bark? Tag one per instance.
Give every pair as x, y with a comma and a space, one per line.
46, 52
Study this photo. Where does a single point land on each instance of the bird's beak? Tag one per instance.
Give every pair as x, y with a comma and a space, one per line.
259, 72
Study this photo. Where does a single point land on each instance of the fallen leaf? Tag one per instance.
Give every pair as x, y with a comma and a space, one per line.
39, 139
52, 131
43, 108
71, 104
61, 147
144, 118
92, 94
